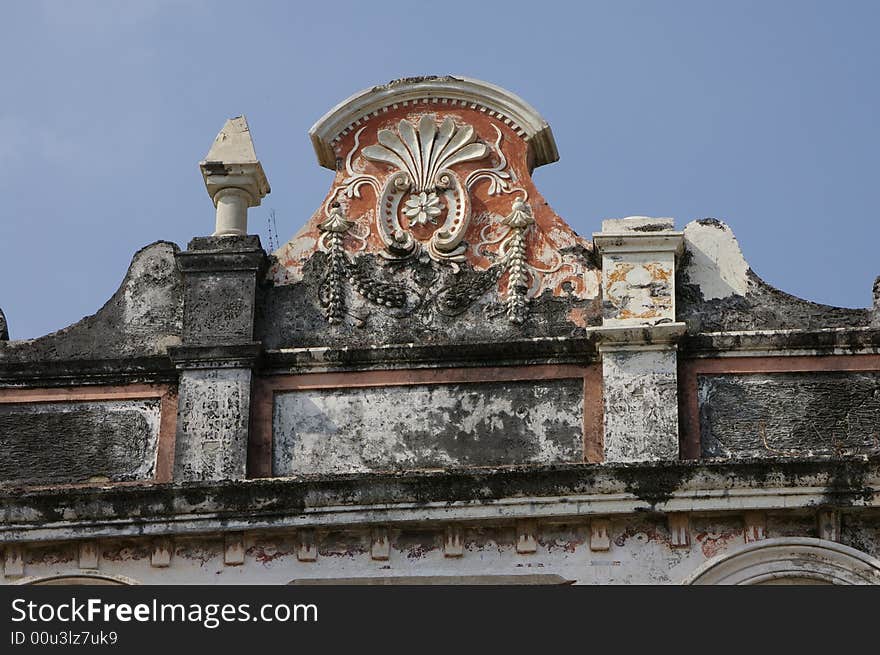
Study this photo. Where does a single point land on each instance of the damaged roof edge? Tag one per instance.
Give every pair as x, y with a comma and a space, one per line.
101, 335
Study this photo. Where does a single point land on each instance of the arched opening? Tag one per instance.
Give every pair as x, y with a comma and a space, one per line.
789, 561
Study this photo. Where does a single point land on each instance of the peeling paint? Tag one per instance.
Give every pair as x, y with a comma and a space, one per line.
424, 426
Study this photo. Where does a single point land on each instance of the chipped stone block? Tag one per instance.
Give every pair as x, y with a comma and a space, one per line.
88, 555
828, 521
13, 561
453, 545
600, 535
380, 546
679, 530
641, 403
161, 554
219, 288
306, 546
233, 552
526, 537
755, 524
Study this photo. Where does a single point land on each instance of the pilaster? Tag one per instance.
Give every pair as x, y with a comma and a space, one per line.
638, 338
217, 356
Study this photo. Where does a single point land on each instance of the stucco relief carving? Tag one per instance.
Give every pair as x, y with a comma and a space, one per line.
433, 214
424, 189
423, 211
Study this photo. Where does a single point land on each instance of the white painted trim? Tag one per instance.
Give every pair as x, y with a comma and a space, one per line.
789, 557
632, 242
93, 578
660, 336
468, 92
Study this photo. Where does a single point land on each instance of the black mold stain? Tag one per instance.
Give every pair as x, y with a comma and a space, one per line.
440, 307
261, 501
111, 332
762, 308
59, 447
790, 414
654, 485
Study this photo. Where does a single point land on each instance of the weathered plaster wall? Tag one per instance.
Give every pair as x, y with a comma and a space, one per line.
75, 442
212, 424
222, 308
787, 414
141, 319
647, 523
424, 426
641, 400
861, 531
418, 261
718, 291
220, 288
630, 550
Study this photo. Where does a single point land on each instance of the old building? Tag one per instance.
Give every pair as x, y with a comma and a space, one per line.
437, 380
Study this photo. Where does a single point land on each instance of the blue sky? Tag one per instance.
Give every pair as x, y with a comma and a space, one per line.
762, 114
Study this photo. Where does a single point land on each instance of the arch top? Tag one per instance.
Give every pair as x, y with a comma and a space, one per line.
789, 558
448, 89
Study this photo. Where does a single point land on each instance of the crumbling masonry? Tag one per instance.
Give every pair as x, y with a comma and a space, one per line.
437, 381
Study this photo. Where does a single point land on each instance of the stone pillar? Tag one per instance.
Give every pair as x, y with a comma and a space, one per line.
217, 356
234, 177
638, 338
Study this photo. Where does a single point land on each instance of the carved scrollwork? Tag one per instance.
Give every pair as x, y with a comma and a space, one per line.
379, 293
426, 184
341, 270
498, 176
424, 189
398, 242
446, 242
425, 153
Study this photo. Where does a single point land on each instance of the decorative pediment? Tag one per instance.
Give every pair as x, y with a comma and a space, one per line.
433, 211
445, 91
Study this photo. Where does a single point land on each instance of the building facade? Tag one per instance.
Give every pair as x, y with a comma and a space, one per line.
436, 380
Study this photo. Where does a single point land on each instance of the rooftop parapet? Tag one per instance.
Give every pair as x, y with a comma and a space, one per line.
433, 229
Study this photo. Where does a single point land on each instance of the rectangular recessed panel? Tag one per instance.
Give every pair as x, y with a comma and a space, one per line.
73, 442
428, 426
789, 414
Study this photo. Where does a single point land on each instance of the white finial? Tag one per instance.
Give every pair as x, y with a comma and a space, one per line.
234, 177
